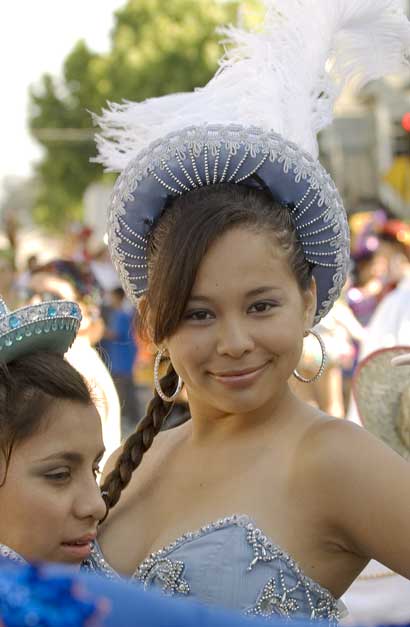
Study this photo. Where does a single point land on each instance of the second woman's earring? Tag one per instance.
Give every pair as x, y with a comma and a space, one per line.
157, 382
322, 365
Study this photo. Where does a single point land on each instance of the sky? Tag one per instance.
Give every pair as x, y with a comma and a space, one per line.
35, 37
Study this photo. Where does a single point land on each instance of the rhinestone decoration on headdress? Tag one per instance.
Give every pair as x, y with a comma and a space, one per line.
50, 326
275, 90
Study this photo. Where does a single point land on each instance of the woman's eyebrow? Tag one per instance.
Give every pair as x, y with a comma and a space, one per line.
68, 456
255, 292
262, 290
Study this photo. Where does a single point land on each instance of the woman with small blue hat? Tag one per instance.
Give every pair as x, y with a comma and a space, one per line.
233, 242
50, 439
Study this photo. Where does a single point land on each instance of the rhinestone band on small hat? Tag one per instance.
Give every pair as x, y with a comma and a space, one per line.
36, 320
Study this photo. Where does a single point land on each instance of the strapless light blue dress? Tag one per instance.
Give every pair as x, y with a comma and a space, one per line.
231, 564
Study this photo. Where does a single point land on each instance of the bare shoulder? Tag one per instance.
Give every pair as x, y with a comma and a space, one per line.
333, 449
344, 461
161, 443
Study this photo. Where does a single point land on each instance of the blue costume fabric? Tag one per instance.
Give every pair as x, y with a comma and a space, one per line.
233, 565
53, 596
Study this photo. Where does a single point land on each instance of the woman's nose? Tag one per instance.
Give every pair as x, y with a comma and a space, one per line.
234, 339
90, 503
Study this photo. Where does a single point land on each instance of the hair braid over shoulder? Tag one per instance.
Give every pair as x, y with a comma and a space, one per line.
139, 442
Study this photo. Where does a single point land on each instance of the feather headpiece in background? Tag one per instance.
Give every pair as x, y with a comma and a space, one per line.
284, 77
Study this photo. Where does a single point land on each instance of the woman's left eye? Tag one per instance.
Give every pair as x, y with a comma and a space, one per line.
59, 477
262, 307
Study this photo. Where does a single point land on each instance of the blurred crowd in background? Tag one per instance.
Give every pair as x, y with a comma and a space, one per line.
52, 228
372, 313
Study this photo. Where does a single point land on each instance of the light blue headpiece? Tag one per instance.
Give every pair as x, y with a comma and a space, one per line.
257, 119
50, 326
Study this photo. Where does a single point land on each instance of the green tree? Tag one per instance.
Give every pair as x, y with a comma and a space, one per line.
157, 48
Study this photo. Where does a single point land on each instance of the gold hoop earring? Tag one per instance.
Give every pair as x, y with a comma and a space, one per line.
322, 365
157, 382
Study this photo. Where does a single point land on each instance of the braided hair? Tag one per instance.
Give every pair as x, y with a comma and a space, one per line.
177, 245
139, 442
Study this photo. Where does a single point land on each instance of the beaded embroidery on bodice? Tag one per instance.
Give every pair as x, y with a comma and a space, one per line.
8, 553
231, 563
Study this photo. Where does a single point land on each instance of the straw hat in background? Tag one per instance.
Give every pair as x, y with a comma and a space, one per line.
382, 394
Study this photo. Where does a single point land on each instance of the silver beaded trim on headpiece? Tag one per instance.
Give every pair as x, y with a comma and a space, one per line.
319, 204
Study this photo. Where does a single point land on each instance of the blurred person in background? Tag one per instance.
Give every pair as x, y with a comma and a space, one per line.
8, 277
339, 330
394, 248
119, 349
368, 278
390, 323
74, 281
24, 277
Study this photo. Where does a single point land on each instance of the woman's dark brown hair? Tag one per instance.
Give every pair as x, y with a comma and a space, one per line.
28, 388
177, 246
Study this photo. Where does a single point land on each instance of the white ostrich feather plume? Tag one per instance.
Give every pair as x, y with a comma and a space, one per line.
284, 77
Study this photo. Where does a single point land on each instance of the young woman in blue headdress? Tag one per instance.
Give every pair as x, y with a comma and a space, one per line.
50, 439
234, 242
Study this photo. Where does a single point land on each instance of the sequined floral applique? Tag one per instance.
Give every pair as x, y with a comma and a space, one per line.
263, 549
273, 603
166, 573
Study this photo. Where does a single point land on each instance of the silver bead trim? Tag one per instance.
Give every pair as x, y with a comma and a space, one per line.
175, 178
8, 553
131, 231
306, 208
301, 201
140, 266
328, 227
169, 188
206, 163
326, 254
323, 241
252, 172
226, 168
216, 165
125, 253
273, 603
320, 263
133, 244
298, 164
321, 216
239, 166
185, 171
168, 573
195, 168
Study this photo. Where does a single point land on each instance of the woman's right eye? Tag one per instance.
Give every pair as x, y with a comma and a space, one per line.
198, 315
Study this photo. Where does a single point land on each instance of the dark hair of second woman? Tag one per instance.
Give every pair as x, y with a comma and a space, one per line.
177, 246
28, 388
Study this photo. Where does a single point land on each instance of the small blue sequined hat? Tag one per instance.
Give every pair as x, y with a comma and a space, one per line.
50, 326
255, 122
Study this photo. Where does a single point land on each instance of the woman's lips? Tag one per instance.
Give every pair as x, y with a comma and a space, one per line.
240, 378
79, 549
